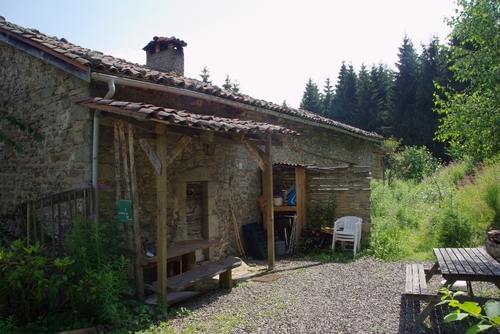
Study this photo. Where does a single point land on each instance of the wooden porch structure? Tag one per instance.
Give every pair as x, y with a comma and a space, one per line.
167, 134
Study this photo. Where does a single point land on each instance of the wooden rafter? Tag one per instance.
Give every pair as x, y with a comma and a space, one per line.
257, 154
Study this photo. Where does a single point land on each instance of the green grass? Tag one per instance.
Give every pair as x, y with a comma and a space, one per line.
449, 209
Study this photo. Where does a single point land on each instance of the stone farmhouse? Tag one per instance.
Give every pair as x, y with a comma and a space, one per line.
179, 150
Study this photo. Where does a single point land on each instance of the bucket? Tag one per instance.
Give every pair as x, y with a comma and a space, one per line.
279, 247
278, 201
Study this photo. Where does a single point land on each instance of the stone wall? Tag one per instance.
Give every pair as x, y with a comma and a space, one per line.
227, 185
41, 95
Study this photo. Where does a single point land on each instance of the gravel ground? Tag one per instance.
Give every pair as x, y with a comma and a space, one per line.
308, 296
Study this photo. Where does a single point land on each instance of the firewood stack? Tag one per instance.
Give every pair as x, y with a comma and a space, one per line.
313, 239
493, 244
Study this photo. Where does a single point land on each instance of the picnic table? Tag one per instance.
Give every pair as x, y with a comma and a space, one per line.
453, 264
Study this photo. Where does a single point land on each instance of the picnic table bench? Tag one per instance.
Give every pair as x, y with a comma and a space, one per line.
454, 264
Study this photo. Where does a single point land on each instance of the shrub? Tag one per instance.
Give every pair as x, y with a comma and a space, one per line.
412, 163
453, 230
322, 214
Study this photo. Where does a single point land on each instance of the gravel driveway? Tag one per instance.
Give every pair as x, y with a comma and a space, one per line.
309, 296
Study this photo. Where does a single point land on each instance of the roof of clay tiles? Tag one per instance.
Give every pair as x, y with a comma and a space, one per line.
172, 40
98, 61
183, 117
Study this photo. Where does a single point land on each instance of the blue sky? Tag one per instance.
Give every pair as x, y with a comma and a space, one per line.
270, 47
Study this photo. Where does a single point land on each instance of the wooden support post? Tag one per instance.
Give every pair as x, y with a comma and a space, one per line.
139, 278
300, 188
126, 180
267, 188
118, 182
28, 220
161, 217
226, 279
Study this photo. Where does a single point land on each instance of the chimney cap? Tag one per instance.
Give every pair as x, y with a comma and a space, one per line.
177, 42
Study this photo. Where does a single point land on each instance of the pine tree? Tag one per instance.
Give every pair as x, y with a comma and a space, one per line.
205, 74
381, 78
403, 97
433, 68
227, 83
326, 99
344, 101
365, 116
311, 99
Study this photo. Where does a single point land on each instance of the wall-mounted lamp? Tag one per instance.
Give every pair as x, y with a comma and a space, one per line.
209, 149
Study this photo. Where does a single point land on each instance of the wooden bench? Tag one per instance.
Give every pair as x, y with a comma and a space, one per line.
416, 289
223, 268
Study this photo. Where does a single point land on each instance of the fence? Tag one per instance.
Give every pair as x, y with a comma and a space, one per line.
48, 219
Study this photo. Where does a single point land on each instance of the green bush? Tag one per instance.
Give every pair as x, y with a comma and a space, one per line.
413, 163
453, 230
322, 214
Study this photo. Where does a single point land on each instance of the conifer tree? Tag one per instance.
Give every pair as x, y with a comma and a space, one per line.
382, 78
205, 74
366, 108
344, 102
311, 100
403, 97
326, 99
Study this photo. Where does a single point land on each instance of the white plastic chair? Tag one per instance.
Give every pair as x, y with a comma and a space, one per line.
348, 229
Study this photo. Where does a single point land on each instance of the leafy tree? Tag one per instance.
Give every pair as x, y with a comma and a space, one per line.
205, 75
327, 98
311, 100
344, 102
471, 122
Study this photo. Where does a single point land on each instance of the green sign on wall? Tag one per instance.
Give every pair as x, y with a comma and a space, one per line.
125, 211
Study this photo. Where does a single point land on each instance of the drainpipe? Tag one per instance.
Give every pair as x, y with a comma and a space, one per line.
95, 149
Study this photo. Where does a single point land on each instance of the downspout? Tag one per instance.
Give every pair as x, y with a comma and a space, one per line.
95, 148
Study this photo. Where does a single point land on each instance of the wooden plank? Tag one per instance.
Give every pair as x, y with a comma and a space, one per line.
422, 283
267, 187
136, 229
450, 254
118, 181
493, 267
126, 177
300, 188
179, 146
237, 232
442, 263
466, 265
126, 180
202, 273
255, 153
161, 220
414, 279
409, 279
153, 158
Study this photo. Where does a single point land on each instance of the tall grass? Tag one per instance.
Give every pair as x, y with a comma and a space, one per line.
454, 207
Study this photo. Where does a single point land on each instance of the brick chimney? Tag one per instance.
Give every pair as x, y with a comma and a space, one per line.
166, 54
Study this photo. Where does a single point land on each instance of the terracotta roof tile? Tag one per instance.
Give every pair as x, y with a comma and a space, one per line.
183, 117
105, 63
